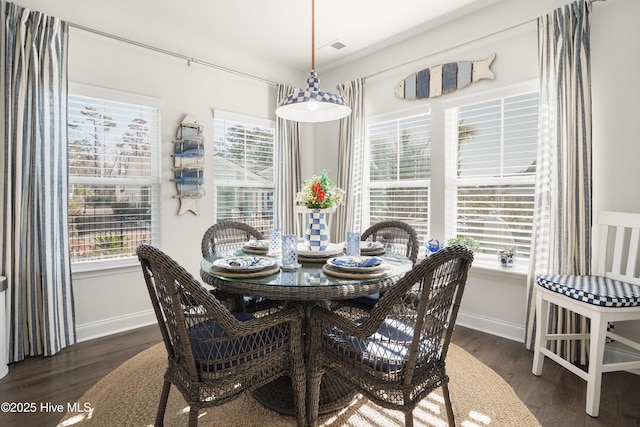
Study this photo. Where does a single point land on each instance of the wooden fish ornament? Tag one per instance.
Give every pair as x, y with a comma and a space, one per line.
443, 79
188, 158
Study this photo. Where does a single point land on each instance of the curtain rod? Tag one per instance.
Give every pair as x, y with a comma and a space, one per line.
170, 53
495, 33
269, 82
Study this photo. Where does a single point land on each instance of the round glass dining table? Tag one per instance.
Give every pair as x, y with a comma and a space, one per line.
312, 283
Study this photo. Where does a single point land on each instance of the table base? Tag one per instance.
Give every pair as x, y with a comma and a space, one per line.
278, 395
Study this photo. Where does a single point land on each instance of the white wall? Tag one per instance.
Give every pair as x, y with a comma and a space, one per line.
494, 301
616, 144
114, 300
119, 299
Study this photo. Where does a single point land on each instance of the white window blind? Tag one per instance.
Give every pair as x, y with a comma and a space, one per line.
493, 155
114, 182
243, 169
399, 171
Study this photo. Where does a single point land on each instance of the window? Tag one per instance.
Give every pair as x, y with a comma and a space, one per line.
113, 175
491, 172
243, 169
399, 171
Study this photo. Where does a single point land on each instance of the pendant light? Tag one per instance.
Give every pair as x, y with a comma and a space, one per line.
311, 104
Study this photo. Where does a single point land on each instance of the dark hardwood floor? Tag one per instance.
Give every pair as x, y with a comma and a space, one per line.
557, 398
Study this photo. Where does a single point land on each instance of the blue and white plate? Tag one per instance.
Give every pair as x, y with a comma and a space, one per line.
356, 263
256, 246
244, 263
333, 249
371, 246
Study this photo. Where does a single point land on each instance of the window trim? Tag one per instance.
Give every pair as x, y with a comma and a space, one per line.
82, 89
367, 184
244, 119
484, 261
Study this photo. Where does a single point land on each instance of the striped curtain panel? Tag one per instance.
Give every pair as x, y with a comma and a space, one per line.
35, 250
562, 225
350, 161
287, 173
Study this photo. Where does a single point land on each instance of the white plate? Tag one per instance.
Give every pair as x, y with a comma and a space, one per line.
257, 244
356, 263
371, 246
332, 249
244, 263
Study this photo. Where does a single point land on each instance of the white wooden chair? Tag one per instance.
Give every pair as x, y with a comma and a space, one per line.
611, 294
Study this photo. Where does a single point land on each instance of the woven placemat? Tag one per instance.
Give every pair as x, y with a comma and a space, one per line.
337, 272
250, 250
240, 275
314, 259
365, 252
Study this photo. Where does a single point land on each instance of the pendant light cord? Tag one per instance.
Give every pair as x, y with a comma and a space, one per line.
313, 34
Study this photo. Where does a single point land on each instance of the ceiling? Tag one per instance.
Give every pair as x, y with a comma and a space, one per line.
277, 30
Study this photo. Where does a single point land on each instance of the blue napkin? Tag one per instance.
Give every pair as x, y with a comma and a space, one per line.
357, 261
244, 262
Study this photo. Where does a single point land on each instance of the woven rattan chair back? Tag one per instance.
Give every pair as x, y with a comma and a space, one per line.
397, 236
231, 235
213, 355
394, 354
227, 235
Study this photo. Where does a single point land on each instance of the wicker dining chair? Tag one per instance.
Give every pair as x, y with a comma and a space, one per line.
232, 235
215, 355
397, 237
394, 354
228, 235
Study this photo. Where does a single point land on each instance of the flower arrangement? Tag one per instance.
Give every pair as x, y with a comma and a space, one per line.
319, 192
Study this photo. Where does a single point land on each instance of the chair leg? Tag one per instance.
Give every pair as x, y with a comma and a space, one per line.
542, 320
447, 404
193, 417
162, 406
408, 419
596, 359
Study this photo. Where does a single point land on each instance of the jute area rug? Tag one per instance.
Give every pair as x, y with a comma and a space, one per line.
129, 395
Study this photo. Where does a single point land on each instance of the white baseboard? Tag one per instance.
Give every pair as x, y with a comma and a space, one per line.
491, 326
113, 325
516, 333
615, 355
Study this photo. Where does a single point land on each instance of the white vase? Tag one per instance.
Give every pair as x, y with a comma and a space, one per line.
317, 234
506, 262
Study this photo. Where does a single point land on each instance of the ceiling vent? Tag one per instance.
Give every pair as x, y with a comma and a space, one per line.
333, 47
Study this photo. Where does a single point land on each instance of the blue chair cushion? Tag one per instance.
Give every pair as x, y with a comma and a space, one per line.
387, 350
252, 301
369, 300
210, 343
596, 290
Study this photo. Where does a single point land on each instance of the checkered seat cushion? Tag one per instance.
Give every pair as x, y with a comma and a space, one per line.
596, 290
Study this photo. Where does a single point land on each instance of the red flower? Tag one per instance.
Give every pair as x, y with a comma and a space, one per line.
318, 194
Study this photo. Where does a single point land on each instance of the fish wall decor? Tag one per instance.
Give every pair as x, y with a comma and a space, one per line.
188, 158
442, 79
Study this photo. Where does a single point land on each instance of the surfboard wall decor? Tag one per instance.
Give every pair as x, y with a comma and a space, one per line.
442, 79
